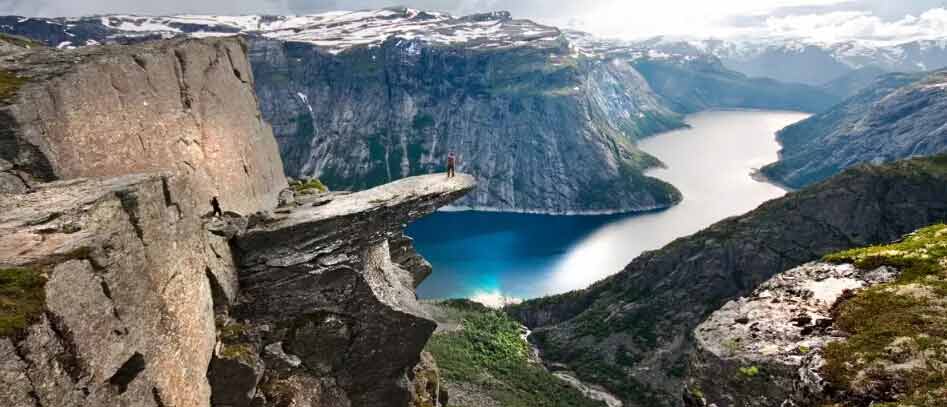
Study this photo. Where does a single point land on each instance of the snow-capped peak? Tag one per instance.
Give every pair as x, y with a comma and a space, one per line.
340, 30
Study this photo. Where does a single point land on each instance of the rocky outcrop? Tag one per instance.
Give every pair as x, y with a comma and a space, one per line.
130, 272
862, 330
630, 332
765, 349
185, 106
120, 289
128, 317
898, 116
427, 388
323, 281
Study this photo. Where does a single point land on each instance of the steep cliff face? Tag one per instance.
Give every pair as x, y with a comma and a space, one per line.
124, 315
898, 116
128, 313
542, 131
183, 106
120, 289
630, 331
319, 284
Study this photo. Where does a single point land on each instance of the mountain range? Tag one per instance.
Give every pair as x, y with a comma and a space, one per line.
546, 120
810, 62
897, 116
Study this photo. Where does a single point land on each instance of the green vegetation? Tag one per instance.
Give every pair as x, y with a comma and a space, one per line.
9, 84
235, 345
750, 371
308, 187
19, 41
241, 351
231, 332
22, 299
897, 349
489, 353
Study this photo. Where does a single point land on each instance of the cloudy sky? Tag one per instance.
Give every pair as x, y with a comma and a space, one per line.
819, 20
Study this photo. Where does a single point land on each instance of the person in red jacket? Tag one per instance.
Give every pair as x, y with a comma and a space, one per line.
451, 161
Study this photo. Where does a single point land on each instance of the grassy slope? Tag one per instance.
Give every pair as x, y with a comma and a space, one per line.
896, 354
489, 354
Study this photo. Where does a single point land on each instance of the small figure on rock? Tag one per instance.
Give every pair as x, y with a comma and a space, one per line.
216, 205
451, 160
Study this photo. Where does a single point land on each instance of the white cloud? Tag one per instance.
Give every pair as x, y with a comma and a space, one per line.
855, 25
636, 19
494, 299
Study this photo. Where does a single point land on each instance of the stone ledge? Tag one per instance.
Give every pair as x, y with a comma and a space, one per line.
424, 193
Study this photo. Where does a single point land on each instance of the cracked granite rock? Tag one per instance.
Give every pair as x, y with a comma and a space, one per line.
127, 318
117, 152
765, 349
185, 106
339, 302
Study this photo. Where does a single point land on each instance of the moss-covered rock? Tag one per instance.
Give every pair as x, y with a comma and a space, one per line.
896, 351
19, 41
308, 187
9, 84
22, 298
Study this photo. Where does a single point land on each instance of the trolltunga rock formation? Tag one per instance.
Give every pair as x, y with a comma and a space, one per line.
117, 289
324, 280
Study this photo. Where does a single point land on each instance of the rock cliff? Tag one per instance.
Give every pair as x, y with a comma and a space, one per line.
125, 315
119, 288
898, 116
184, 106
319, 284
537, 127
631, 332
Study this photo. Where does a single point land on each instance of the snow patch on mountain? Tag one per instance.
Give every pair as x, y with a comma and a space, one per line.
338, 31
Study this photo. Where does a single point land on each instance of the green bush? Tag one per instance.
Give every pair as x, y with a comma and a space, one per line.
308, 187
22, 299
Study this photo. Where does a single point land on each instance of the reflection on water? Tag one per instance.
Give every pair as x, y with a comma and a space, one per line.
495, 255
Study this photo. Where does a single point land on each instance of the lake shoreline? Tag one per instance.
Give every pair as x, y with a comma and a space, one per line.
487, 209
497, 255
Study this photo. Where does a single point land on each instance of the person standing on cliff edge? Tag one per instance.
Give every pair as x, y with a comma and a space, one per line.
451, 160
215, 205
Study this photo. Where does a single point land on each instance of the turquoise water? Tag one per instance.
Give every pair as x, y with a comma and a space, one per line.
489, 256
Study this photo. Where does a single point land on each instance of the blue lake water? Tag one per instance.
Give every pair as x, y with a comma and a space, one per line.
489, 256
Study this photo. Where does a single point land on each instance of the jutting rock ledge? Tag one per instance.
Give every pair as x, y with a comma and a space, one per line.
118, 289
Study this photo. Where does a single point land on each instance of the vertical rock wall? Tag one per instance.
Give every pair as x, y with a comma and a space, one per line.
185, 106
130, 273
